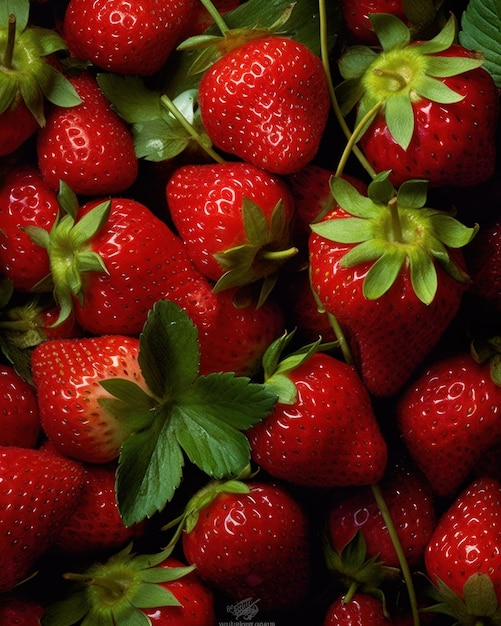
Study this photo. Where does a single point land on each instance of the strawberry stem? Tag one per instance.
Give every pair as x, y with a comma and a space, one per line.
396, 81
215, 15
335, 104
11, 38
167, 102
404, 566
355, 135
395, 221
278, 255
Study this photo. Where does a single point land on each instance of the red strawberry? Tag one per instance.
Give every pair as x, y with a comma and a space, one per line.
67, 374
235, 220
133, 587
112, 260
19, 415
38, 493
361, 609
357, 13
25, 200
449, 417
95, 527
249, 541
126, 38
17, 610
267, 102
391, 273
88, 146
322, 432
435, 108
411, 505
29, 77
463, 559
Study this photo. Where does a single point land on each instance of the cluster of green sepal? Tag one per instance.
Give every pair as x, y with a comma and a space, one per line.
259, 260
395, 232
479, 605
184, 415
114, 592
488, 351
403, 71
24, 69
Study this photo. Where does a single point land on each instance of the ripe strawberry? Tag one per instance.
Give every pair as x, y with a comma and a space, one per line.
411, 504
322, 432
38, 493
126, 38
391, 273
111, 261
135, 588
29, 76
17, 610
19, 414
361, 609
235, 220
267, 102
463, 559
25, 199
67, 374
435, 108
249, 541
95, 527
87, 146
449, 417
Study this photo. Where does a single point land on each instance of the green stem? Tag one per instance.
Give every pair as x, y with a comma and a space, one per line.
395, 221
167, 102
215, 15
11, 38
395, 77
348, 596
278, 255
404, 566
335, 104
355, 135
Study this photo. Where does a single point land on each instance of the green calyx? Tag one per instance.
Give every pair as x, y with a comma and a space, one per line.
24, 69
401, 73
114, 592
68, 245
266, 249
395, 232
478, 607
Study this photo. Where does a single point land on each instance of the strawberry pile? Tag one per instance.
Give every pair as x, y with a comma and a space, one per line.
250, 291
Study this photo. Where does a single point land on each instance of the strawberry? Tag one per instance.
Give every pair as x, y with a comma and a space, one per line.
38, 493
95, 527
410, 502
235, 220
25, 199
18, 610
249, 540
126, 38
463, 559
88, 146
322, 432
29, 76
132, 587
449, 417
434, 108
101, 253
266, 101
391, 273
19, 414
359, 610
357, 14
66, 375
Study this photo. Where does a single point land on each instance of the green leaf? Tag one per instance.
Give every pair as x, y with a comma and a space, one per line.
435, 90
68, 611
480, 595
159, 140
351, 200
19, 8
400, 119
412, 194
56, 87
423, 275
442, 67
443, 40
450, 231
355, 61
481, 31
169, 352
150, 595
390, 30
383, 273
344, 230
8, 91
130, 98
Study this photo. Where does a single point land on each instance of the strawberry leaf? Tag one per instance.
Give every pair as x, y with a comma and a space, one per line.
481, 30
202, 417
19, 8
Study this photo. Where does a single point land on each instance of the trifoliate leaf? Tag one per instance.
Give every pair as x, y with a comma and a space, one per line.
481, 30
